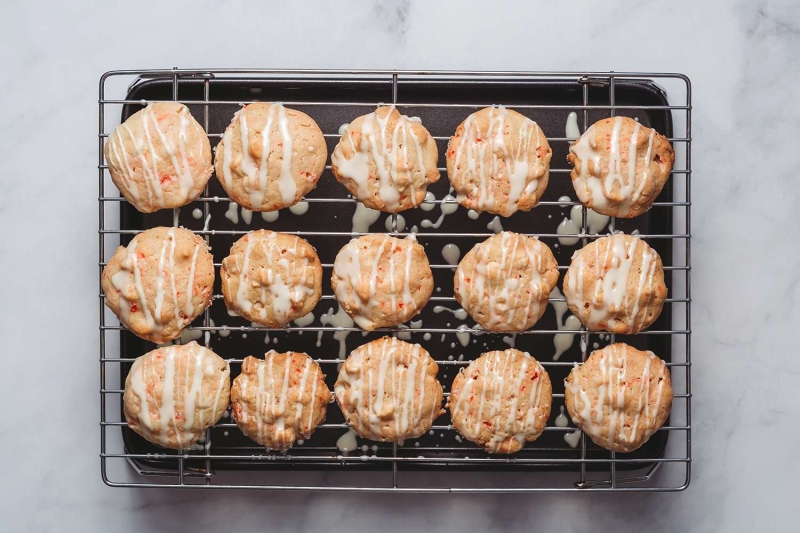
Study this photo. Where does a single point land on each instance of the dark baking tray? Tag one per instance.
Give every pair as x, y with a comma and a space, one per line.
440, 121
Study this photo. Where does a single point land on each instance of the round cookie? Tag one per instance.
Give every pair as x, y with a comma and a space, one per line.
160, 282
388, 391
619, 396
620, 166
175, 393
271, 278
382, 281
159, 158
498, 161
269, 172
501, 400
505, 281
616, 284
386, 160
280, 399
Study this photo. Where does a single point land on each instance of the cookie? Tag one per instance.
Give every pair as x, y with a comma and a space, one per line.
505, 281
271, 278
386, 160
620, 166
498, 161
382, 281
269, 172
501, 400
159, 158
160, 282
619, 396
616, 284
175, 393
280, 399
388, 391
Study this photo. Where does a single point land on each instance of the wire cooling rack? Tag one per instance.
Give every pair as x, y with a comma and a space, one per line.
553, 464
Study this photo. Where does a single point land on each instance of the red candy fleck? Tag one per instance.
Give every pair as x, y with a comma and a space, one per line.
134, 308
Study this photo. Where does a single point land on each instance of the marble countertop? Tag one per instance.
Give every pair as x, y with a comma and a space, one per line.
743, 62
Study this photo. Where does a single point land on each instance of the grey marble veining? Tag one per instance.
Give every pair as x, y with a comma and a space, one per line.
743, 60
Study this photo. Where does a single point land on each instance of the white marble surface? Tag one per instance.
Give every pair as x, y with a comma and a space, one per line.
743, 60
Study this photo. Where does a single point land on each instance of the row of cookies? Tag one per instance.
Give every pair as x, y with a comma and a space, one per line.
270, 157
164, 279
388, 391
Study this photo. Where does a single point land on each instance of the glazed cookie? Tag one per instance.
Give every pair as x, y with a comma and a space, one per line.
159, 158
505, 281
382, 281
620, 166
501, 400
269, 172
280, 399
616, 284
498, 161
271, 278
160, 282
619, 396
386, 160
175, 393
388, 391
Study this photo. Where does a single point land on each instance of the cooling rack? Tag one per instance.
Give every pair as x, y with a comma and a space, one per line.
562, 459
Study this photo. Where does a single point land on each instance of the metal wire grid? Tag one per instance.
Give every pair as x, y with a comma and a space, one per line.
204, 477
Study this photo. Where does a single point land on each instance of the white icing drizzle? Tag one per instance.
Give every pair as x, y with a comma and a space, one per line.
272, 399
197, 213
495, 225
573, 439
458, 313
256, 180
247, 216
500, 393
473, 214
232, 213
448, 207
275, 282
572, 130
451, 254
427, 204
613, 371
340, 319
270, 216
475, 145
595, 223
177, 386
462, 334
348, 268
304, 321
347, 442
591, 187
502, 303
396, 397
389, 150
363, 218
401, 223
609, 295
300, 208
561, 420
